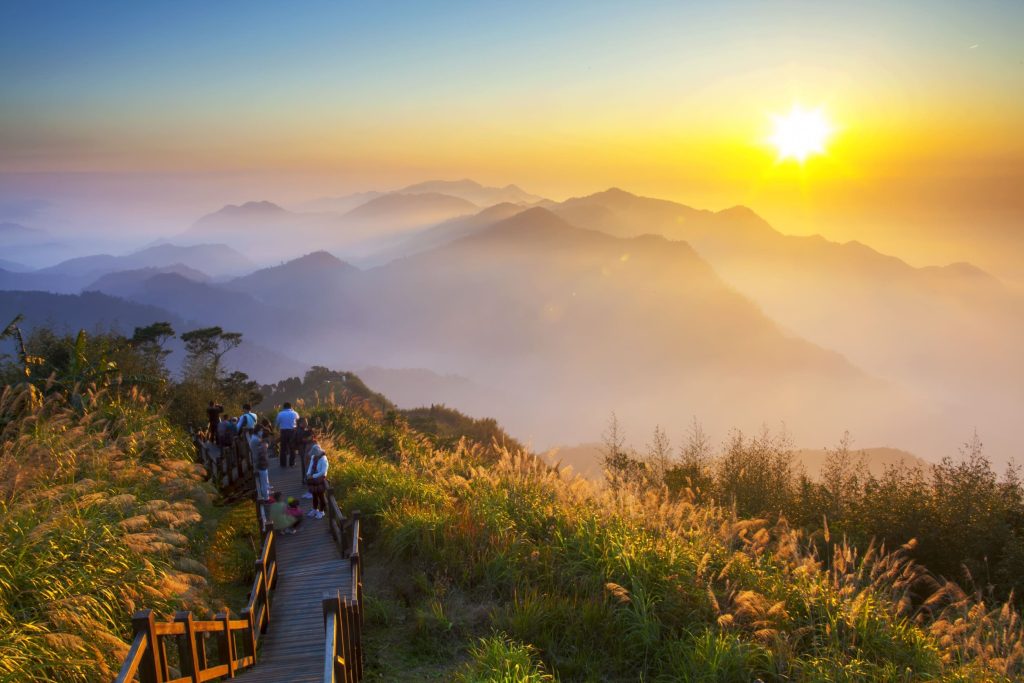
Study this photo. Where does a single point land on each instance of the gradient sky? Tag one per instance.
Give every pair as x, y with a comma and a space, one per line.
669, 98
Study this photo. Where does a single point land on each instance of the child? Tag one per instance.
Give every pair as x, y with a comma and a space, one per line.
295, 512
279, 515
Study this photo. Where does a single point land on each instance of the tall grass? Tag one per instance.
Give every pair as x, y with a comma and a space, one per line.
98, 498
624, 584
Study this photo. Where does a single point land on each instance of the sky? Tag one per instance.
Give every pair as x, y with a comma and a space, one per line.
669, 99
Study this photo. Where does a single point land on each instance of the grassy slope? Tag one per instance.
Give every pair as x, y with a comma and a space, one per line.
99, 516
618, 586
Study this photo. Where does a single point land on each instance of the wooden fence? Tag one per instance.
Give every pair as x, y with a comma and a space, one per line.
343, 614
189, 661
230, 468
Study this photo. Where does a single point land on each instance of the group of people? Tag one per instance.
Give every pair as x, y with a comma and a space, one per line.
295, 441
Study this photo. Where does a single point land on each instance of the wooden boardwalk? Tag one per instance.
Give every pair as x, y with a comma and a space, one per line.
303, 619
292, 651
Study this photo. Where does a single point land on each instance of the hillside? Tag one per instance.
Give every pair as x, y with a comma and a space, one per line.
271, 234
101, 514
491, 564
125, 283
213, 259
304, 279
482, 562
874, 308
596, 319
398, 211
445, 232
95, 311
474, 192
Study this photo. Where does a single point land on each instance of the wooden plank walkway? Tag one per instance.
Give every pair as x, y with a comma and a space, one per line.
292, 651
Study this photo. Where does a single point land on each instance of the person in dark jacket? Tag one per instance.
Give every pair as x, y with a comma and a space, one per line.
303, 439
213, 412
262, 457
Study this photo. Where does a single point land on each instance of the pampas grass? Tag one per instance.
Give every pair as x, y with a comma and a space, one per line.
94, 522
622, 583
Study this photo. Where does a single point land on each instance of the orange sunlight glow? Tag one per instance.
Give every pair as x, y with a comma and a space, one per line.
801, 133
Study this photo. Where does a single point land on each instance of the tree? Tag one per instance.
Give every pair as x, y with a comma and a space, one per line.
206, 348
238, 388
619, 464
13, 331
693, 470
756, 475
659, 456
151, 339
842, 477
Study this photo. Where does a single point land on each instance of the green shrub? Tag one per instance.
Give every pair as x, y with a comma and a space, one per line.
500, 660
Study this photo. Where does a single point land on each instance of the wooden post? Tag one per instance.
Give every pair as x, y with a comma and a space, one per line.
272, 558
348, 632
187, 657
264, 588
150, 670
250, 634
329, 496
329, 603
356, 636
355, 536
226, 642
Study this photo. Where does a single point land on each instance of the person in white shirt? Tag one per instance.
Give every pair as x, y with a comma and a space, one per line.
316, 475
286, 420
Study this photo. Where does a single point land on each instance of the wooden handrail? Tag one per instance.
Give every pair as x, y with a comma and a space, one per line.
343, 615
134, 658
230, 468
147, 657
233, 474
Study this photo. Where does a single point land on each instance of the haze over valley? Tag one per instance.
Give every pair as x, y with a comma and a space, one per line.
551, 315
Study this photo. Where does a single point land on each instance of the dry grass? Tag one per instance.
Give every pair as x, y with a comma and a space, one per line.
619, 583
97, 498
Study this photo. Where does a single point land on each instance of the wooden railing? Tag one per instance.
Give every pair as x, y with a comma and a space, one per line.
230, 467
150, 661
343, 614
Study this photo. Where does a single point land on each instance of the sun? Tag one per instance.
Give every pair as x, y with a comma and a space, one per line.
801, 133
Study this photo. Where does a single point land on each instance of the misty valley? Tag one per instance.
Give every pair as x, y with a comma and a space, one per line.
550, 316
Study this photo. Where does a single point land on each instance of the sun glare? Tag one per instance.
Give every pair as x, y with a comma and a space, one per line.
801, 133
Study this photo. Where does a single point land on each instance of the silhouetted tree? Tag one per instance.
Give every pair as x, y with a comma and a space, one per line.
620, 465
206, 348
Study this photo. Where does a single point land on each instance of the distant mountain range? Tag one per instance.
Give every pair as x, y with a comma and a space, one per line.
880, 312
268, 232
90, 272
474, 192
469, 190
13, 266
17, 234
558, 313
129, 283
